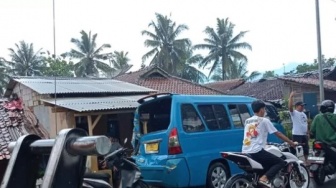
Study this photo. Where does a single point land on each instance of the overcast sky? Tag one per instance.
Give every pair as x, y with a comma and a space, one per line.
280, 31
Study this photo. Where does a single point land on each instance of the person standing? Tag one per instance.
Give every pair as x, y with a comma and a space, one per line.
300, 131
116, 174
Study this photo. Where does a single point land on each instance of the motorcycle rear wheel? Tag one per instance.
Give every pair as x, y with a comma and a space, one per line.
140, 184
239, 180
319, 175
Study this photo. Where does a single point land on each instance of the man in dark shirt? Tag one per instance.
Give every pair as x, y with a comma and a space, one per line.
116, 175
324, 127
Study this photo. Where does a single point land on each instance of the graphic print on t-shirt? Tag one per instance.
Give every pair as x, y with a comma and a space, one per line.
251, 133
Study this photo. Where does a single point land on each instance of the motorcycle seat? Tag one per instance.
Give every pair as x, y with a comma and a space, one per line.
246, 154
102, 176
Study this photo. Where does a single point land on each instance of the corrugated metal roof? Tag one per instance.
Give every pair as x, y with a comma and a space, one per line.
80, 85
97, 103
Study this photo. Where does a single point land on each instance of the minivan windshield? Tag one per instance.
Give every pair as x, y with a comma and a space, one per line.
154, 115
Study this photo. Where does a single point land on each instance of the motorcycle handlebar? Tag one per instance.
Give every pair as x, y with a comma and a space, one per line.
109, 156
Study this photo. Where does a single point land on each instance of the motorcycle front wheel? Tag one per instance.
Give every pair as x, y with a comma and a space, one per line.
239, 180
140, 184
294, 181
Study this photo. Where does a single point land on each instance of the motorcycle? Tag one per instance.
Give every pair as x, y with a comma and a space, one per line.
321, 165
96, 180
293, 175
130, 172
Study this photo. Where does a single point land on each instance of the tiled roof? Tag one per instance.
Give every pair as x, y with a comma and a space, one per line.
328, 74
265, 89
226, 85
155, 78
13, 124
328, 84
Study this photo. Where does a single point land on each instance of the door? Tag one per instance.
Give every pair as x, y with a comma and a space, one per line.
311, 104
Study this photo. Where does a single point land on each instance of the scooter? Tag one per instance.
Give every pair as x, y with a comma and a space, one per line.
130, 172
96, 180
293, 175
321, 165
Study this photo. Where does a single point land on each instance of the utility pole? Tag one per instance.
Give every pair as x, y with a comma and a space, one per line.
319, 53
54, 37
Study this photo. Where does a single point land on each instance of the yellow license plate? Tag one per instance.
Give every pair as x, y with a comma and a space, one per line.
152, 147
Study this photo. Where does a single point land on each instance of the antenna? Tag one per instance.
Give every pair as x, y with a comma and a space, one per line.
55, 75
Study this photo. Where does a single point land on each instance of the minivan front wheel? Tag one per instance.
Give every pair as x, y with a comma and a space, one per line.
217, 175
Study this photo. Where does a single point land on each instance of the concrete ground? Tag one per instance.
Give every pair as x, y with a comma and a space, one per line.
330, 183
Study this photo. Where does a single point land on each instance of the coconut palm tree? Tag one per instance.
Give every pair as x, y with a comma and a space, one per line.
186, 69
236, 70
223, 46
4, 77
91, 59
25, 61
166, 48
119, 62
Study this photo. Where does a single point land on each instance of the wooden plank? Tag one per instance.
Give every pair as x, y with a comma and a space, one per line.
94, 159
96, 121
103, 113
59, 109
89, 120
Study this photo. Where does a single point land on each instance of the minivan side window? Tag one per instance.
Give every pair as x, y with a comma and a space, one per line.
190, 119
239, 113
215, 116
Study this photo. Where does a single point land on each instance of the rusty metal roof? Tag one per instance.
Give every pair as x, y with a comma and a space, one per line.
83, 104
46, 85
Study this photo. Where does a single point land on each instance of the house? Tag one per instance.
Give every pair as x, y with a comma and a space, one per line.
306, 85
156, 78
15, 122
95, 105
226, 86
271, 89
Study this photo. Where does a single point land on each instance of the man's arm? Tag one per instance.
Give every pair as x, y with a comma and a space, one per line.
290, 101
313, 128
284, 138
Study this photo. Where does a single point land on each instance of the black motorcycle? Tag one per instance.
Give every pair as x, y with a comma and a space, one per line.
130, 172
322, 163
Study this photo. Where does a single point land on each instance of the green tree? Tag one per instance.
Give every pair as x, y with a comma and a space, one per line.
269, 74
25, 61
326, 63
238, 70
186, 70
91, 59
223, 47
120, 62
167, 48
4, 77
58, 67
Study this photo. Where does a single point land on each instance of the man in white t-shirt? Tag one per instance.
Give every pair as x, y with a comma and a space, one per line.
300, 124
256, 132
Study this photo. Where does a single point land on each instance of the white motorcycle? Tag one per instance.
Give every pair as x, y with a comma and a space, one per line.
293, 175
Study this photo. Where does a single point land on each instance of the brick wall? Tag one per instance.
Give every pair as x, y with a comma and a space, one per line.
31, 101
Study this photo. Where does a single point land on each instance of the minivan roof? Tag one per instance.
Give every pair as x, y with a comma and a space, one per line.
198, 98
214, 98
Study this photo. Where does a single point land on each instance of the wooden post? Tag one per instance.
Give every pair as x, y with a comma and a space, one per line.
91, 126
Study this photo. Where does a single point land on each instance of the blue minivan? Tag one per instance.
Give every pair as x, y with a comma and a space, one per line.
178, 138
